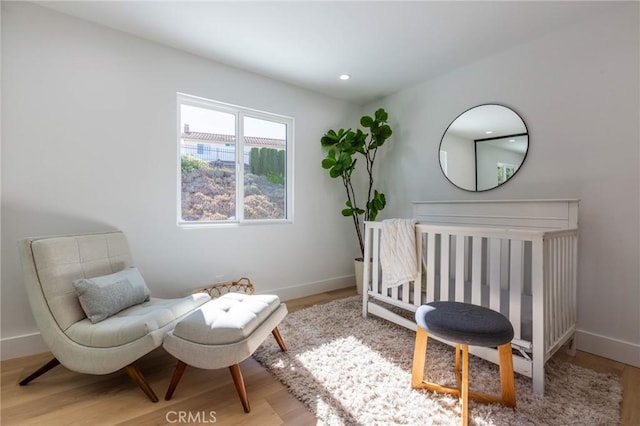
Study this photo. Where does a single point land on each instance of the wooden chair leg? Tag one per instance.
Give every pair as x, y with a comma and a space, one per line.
134, 373
507, 382
177, 375
239, 382
465, 385
278, 336
40, 371
419, 357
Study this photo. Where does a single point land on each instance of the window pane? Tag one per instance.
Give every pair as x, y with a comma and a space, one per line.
208, 162
265, 174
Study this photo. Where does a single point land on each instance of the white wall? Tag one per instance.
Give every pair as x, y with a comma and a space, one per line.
89, 144
577, 90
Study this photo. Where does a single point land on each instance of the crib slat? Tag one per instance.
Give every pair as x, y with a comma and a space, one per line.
565, 282
365, 274
459, 296
375, 270
548, 274
494, 274
516, 262
431, 266
417, 286
562, 313
574, 278
538, 315
405, 292
555, 293
476, 271
444, 267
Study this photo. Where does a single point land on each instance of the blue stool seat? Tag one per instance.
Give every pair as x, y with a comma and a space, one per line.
465, 323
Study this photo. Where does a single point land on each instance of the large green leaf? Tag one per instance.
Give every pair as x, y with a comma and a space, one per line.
377, 203
328, 163
381, 115
366, 121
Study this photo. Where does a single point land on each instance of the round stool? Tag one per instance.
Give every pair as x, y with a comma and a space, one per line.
465, 324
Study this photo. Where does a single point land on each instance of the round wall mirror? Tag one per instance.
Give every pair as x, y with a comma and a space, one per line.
483, 147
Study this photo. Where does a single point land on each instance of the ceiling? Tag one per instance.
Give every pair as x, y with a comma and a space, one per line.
384, 45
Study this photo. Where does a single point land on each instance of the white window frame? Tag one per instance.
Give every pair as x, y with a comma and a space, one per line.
240, 113
504, 167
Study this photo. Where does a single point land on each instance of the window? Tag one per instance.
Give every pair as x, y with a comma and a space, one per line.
505, 171
235, 164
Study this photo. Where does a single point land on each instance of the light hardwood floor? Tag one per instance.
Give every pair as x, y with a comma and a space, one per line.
61, 397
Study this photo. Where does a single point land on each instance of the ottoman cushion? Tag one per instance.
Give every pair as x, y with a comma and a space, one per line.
465, 323
227, 319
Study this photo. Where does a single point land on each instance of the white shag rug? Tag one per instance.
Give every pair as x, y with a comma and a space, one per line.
351, 370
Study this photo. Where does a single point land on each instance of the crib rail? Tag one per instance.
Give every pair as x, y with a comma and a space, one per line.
529, 275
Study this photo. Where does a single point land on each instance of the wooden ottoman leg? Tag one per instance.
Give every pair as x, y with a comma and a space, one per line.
239, 382
278, 336
177, 375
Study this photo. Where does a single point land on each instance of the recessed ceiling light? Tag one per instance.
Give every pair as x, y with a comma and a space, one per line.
512, 140
488, 132
344, 77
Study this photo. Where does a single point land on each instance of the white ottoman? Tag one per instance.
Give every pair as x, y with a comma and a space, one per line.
222, 333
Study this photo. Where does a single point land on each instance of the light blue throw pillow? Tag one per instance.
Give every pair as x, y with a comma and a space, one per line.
101, 297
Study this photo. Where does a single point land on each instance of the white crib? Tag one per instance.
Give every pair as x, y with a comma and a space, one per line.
516, 257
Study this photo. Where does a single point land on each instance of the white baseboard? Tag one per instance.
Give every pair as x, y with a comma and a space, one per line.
19, 346
31, 344
309, 289
617, 350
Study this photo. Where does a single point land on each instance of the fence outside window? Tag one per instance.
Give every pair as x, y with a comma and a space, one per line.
212, 153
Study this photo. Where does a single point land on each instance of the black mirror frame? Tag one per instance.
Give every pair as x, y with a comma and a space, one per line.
484, 140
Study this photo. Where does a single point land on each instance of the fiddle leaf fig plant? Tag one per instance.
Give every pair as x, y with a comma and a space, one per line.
345, 148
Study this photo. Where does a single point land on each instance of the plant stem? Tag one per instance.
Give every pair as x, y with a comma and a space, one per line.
370, 161
351, 197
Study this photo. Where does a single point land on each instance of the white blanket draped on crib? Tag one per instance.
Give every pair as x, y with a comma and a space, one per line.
398, 257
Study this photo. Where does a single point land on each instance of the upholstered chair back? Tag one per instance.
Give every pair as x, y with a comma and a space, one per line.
51, 264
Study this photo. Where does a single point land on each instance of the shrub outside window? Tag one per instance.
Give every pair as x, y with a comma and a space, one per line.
235, 164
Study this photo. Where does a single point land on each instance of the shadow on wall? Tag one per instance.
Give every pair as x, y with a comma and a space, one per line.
17, 224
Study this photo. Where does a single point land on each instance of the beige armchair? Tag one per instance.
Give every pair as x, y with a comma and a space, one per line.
50, 266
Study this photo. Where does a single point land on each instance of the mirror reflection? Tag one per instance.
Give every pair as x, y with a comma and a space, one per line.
483, 147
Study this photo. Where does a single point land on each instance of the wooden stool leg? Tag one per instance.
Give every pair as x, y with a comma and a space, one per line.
239, 382
177, 375
278, 336
507, 382
419, 356
458, 370
465, 385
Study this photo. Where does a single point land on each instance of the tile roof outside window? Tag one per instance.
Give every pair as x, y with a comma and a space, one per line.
216, 137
